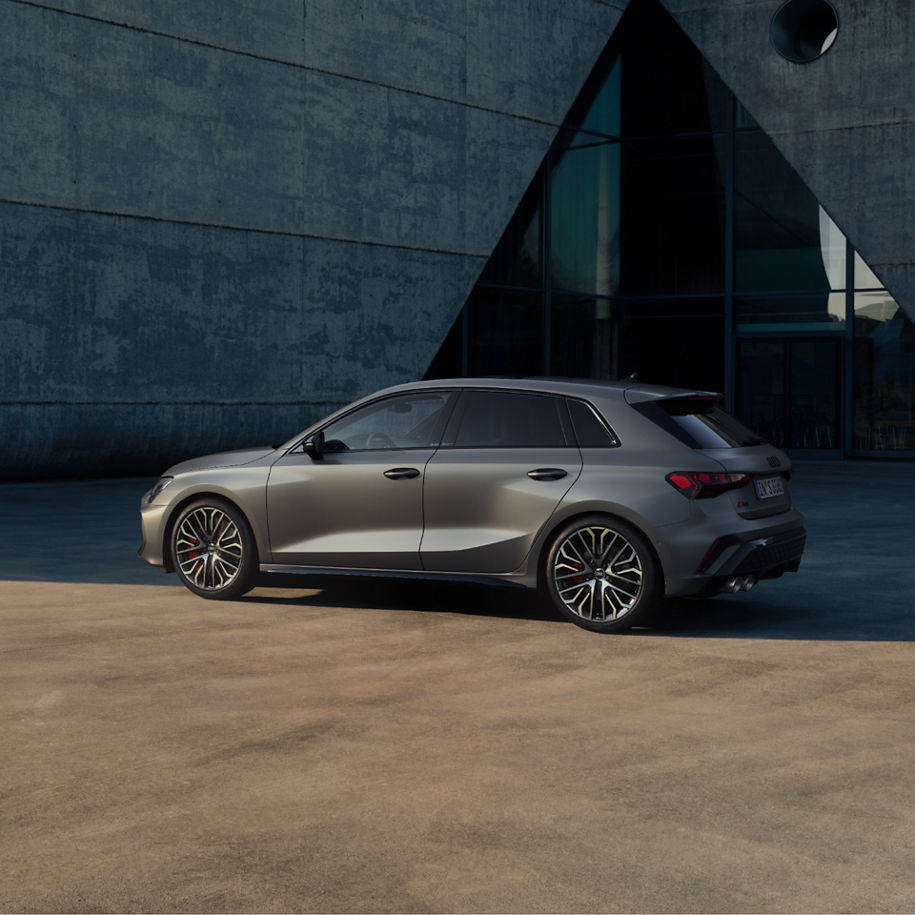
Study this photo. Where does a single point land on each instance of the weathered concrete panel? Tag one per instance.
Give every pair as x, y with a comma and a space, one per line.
526, 57
532, 58
121, 121
272, 30
117, 120
413, 171
129, 344
516, 56
128, 310
845, 122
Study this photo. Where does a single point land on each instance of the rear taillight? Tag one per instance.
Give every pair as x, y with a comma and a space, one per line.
706, 485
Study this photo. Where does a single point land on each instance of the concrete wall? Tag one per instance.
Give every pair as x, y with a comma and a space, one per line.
220, 221
845, 122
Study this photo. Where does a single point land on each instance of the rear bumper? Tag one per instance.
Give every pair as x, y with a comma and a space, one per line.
765, 548
760, 556
769, 557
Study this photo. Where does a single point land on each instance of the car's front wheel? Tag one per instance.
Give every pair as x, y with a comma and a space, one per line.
602, 575
213, 549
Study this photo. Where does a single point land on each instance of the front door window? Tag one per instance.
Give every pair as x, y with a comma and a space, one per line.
407, 421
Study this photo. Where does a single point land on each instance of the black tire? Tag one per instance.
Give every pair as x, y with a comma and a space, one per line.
601, 574
226, 564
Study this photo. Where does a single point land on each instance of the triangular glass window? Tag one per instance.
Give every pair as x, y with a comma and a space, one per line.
664, 215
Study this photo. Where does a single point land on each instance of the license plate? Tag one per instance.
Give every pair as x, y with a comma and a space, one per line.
769, 488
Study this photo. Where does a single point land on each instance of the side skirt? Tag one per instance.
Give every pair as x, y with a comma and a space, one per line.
269, 570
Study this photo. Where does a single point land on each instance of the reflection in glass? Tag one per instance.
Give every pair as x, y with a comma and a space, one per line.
449, 360
761, 392
884, 375
584, 337
814, 403
788, 391
744, 120
505, 332
673, 209
675, 342
585, 216
782, 236
832, 251
602, 115
516, 260
674, 90
819, 311
865, 278
410, 421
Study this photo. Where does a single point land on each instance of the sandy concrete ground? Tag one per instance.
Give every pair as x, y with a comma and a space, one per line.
419, 748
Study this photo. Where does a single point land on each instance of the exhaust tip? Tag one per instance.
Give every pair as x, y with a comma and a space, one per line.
738, 583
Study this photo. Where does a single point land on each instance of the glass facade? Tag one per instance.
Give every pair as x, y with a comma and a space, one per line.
666, 235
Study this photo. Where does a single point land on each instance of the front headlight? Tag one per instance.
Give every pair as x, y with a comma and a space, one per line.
161, 483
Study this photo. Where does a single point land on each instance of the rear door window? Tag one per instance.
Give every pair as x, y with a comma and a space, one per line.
698, 422
505, 419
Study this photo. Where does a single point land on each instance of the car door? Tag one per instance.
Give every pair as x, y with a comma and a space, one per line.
361, 505
505, 463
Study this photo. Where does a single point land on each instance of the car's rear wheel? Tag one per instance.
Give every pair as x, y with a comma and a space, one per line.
213, 549
602, 575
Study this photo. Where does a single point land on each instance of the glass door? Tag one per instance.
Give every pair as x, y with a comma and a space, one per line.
789, 391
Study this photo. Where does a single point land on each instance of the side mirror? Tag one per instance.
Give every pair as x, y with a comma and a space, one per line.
314, 446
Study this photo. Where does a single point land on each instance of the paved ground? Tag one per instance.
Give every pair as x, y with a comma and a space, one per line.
417, 748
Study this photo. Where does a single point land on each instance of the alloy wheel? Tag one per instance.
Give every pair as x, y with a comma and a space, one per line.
597, 574
209, 549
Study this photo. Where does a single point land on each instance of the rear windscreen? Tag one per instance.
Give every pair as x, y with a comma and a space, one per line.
698, 422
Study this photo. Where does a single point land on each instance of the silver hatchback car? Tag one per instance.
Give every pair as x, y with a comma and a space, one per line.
605, 496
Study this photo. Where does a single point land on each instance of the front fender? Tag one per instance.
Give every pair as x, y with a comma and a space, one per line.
245, 487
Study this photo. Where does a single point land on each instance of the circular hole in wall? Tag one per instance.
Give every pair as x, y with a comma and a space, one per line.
803, 30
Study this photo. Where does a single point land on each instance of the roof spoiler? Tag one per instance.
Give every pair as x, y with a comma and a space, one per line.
637, 394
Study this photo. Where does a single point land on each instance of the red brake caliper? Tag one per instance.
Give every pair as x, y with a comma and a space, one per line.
197, 542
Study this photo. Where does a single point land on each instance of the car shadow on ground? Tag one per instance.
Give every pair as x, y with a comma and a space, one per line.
780, 616
401, 594
855, 584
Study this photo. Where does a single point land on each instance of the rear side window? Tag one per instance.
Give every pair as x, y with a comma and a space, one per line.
698, 422
503, 419
590, 431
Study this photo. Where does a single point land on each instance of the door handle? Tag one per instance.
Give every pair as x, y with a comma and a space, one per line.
401, 473
547, 473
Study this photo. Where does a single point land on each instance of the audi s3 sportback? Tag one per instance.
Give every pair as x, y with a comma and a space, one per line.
605, 496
